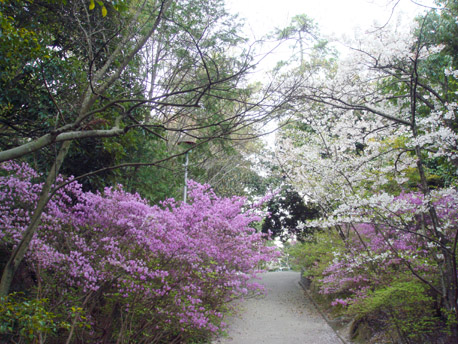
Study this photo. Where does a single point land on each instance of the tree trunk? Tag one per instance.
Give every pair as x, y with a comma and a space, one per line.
18, 253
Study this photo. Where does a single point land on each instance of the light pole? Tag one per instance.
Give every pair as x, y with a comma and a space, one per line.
186, 143
185, 189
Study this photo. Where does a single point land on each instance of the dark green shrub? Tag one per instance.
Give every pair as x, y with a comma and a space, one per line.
27, 320
405, 308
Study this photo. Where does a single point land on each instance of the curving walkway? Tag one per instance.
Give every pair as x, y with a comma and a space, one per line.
284, 316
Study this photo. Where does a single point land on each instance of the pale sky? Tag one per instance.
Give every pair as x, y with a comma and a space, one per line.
334, 17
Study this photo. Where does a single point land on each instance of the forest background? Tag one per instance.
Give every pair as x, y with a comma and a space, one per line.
99, 94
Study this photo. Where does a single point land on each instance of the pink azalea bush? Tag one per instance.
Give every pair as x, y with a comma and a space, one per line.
137, 271
399, 240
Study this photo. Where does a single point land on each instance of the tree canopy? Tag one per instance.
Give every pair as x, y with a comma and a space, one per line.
99, 94
287, 213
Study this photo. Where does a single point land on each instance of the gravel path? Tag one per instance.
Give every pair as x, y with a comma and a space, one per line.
284, 316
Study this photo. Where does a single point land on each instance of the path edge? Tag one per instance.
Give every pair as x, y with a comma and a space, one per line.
307, 294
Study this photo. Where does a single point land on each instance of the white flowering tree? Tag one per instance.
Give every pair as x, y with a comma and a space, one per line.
375, 145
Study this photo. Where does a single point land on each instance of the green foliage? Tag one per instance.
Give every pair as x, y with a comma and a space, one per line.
300, 24
229, 167
58, 46
154, 183
440, 173
316, 255
441, 28
287, 215
307, 48
407, 308
27, 319
16, 41
103, 9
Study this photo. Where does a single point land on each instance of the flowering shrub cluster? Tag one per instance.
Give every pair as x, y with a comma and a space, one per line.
389, 266
400, 238
165, 273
